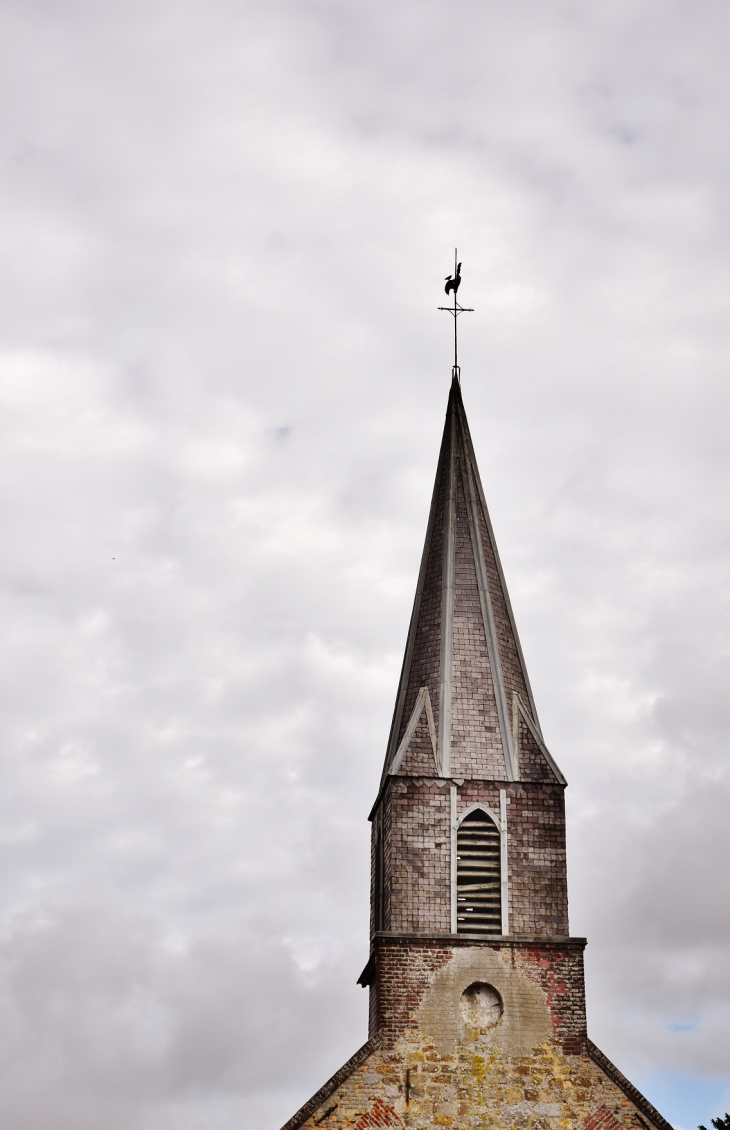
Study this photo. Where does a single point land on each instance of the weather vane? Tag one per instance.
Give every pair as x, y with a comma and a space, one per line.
453, 282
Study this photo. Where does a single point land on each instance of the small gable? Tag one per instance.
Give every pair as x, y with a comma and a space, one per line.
417, 754
418, 758
534, 759
533, 766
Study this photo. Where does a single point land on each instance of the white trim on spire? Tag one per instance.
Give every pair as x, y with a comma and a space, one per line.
423, 702
520, 710
481, 807
504, 861
500, 572
432, 730
454, 829
500, 822
447, 616
490, 630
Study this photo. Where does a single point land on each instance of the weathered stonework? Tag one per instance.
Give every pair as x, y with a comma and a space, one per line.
431, 1065
471, 1030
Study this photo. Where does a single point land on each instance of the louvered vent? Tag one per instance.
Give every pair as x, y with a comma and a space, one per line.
478, 903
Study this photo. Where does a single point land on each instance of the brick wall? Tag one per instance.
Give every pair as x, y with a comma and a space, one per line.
405, 967
403, 971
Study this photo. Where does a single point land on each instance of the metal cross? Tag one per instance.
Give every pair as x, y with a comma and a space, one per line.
453, 283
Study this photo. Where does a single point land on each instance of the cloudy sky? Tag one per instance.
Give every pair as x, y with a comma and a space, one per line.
225, 228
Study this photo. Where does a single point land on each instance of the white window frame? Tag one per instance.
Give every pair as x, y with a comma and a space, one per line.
501, 823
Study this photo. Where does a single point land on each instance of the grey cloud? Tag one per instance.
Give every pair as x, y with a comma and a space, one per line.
113, 1023
226, 220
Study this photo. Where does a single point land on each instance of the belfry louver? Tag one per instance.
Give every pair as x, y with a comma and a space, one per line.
478, 875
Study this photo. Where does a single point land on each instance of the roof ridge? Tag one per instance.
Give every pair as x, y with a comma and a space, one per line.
332, 1083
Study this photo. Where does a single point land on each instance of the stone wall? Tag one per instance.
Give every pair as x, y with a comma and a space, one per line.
479, 1036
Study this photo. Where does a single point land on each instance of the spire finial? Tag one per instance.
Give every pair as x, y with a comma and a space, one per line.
453, 282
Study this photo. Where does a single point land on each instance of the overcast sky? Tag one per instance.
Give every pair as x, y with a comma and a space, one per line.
225, 228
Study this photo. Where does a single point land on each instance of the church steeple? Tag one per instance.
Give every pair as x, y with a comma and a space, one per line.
469, 822
477, 1003
464, 704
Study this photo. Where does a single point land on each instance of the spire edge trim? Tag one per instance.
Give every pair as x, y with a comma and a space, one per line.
490, 630
493, 543
519, 706
423, 702
447, 616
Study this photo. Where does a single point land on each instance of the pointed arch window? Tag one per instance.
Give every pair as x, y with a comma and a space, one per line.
478, 875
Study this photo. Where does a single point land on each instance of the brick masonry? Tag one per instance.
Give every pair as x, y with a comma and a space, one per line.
404, 968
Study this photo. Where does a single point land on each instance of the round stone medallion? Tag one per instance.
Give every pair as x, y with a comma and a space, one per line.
481, 1006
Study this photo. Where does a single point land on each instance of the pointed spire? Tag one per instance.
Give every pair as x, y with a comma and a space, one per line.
464, 706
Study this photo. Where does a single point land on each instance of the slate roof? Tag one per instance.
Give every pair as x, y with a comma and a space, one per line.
462, 645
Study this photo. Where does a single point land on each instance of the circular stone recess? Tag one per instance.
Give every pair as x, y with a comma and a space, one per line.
481, 1006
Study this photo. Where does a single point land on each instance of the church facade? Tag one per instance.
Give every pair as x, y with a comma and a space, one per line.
477, 999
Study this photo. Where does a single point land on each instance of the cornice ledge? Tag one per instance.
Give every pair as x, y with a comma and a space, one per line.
479, 939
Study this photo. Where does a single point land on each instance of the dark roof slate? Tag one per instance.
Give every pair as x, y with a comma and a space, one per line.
462, 640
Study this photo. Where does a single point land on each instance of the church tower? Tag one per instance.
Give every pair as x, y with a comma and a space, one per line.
477, 1001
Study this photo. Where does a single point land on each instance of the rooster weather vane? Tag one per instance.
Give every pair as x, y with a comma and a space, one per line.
453, 282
